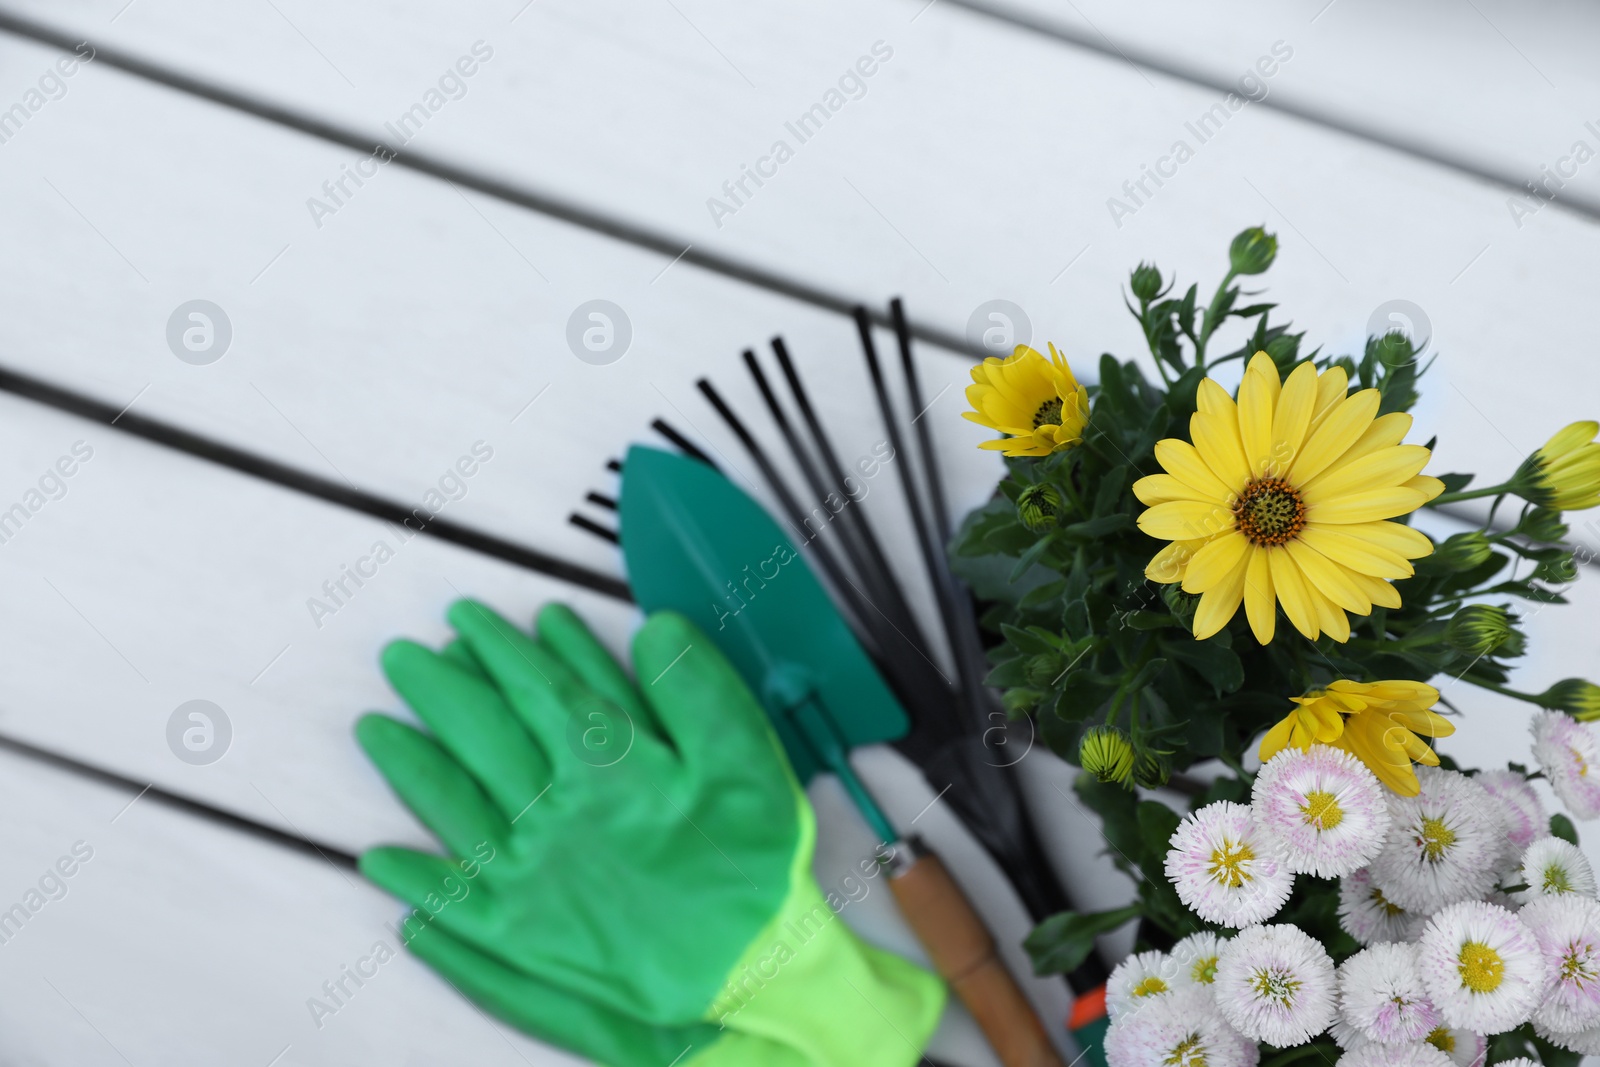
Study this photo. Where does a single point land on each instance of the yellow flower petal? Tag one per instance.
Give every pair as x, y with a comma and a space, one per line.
1382, 469
1385, 430
1178, 520
1215, 562
1367, 506
1428, 487
1168, 565
1216, 438
1155, 489
1260, 605
1220, 601
1365, 555
1380, 592
1213, 399
1295, 405
1183, 462
1258, 394
1332, 385
1292, 593
1340, 429
1570, 437
1329, 579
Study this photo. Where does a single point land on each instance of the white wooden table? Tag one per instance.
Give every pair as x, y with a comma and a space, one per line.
381, 329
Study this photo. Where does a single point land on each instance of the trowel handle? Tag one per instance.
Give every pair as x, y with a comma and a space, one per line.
963, 952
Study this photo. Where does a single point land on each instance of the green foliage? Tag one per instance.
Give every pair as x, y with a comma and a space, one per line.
1088, 643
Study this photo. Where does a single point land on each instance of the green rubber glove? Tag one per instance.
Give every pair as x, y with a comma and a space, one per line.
631, 875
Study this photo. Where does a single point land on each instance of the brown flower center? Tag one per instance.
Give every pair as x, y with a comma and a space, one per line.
1049, 413
1270, 511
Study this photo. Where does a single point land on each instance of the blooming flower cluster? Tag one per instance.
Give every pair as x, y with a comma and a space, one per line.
1473, 919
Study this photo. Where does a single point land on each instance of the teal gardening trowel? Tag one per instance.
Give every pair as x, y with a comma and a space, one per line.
695, 544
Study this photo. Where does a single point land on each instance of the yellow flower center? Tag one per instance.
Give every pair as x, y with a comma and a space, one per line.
1187, 1053
1482, 969
1435, 839
1049, 413
1269, 512
1442, 1040
1205, 970
1150, 987
1273, 984
1390, 910
1323, 809
1583, 764
1227, 864
1556, 880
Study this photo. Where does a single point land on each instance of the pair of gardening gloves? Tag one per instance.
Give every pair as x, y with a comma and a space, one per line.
629, 863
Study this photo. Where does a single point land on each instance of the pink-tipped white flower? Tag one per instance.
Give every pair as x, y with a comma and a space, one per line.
1551, 867
1196, 956
1569, 755
1348, 1036
1520, 808
1465, 1048
1136, 979
1568, 931
1381, 993
1483, 967
1276, 984
1369, 916
1323, 807
1445, 845
1224, 869
1518, 1061
1584, 1041
1182, 1029
1419, 1054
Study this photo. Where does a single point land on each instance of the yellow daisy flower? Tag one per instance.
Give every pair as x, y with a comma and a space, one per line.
1376, 722
1035, 400
1282, 498
1565, 473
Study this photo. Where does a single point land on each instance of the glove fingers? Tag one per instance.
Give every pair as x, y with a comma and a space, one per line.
569, 637
445, 797
471, 721
549, 1012
706, 709
436, 886
540, 688
459, 654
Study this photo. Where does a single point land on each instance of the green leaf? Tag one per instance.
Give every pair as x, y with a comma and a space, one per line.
1157, 822
1454, 483
1215, 663
1561, 826
1062, 942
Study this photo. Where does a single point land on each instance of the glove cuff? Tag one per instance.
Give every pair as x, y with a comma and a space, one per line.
807, 981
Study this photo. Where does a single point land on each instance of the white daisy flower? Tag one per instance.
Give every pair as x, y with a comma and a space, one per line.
1568, 751
1348, 1036
1182, 1029
1517, 1061
1381, 993
1419, 1054
1323, 807
1584, 1041
1483, 968
1445, 845
1369, 916
1551, 866
1196, 958
1148, 974
1568, 931
1224, 869
1276, 984
1465, 1048
1520, 807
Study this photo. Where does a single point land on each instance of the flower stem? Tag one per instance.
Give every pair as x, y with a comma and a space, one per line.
1208, 325
1468, 494
1482, 683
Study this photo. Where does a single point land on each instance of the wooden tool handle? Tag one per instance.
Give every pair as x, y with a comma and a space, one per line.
963, 952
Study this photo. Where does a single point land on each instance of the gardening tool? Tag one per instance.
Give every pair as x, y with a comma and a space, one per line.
696, 544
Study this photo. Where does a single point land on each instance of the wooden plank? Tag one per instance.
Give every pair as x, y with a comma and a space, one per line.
1492, 88
146, 935
146, 579
407, 269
